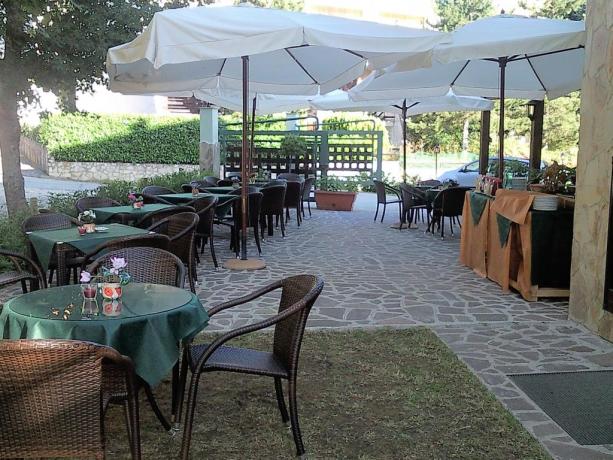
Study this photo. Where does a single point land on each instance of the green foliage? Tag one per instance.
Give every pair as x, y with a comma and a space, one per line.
559, 9
293, 147
455, 13
338, 184
120, 138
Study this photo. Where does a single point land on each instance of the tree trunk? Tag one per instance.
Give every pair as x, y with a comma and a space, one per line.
10, 133
68, 99
465, 134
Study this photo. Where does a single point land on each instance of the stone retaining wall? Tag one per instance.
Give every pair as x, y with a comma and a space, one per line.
98, 171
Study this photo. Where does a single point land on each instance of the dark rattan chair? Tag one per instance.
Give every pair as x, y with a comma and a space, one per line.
298, 294
205, 208
149, 241
52, 221
382, 190
307, 187
155, 216
151, 192
274, 182
181, 229
448, 203
273, 201
53, 399
293, 199
430, 183
290, 177
224, 183
413, 202
25, 271
90, 202
253, 219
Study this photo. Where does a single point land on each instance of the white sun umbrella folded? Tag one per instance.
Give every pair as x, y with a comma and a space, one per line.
500, 56
186, 49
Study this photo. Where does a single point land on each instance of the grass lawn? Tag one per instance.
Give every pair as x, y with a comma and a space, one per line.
393, 394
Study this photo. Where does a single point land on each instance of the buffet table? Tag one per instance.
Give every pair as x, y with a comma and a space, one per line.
504, 239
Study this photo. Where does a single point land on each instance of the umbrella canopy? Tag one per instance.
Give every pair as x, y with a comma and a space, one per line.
257, 50
265, 104
186, 49
500, 56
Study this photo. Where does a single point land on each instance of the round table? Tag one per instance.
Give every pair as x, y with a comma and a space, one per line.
151, 321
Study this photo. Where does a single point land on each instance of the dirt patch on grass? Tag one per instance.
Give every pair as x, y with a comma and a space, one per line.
385, 394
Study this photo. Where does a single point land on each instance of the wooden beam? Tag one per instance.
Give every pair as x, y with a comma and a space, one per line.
484, 144
536, 133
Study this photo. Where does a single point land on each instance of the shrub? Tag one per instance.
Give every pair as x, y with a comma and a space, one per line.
12, 236
120, 138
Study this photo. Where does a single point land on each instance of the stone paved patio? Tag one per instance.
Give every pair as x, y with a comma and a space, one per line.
377, 276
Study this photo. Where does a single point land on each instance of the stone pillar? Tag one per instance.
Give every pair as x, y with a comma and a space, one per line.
209, 141
594, 174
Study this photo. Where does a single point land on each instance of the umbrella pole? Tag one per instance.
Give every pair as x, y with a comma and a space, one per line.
252, 136
243, 263
502, 63
404, 141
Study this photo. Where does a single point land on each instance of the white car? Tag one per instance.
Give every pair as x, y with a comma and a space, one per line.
466, 175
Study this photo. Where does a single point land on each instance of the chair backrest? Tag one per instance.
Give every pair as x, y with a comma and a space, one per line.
233, 174
90, 202
157, 190
411, 196
380, 189
210, 181
181, 229
293, 194
431, 183
50, 398
299, 293
275, 182
23, 264
273, 199
146, 265
205, 208
46, 221
450, 201
290, 176
155, 216
250, 189
153, 240
224, 183
307, 186
255, 206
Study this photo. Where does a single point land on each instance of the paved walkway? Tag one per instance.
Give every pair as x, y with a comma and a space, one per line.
377, 276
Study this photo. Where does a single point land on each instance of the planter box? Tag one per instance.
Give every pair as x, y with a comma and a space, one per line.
335, 201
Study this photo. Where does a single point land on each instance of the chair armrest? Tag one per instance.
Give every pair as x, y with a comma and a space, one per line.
245, 299
394, 190
156, 198
33, 266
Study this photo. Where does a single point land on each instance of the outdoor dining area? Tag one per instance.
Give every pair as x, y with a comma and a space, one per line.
133, 309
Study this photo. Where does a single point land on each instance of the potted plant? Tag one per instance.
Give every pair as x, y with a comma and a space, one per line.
111, 278
335, 194
89, 220
292, 147
135, 201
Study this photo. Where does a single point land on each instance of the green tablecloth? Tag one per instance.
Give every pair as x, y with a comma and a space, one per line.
104, 214
478, 201
154, 319
504, 227
179, 198
219, 190
223, 199
45, 240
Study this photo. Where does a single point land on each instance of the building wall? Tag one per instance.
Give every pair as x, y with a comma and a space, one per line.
594, 174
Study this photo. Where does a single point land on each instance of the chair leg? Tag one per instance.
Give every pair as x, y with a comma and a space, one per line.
400, 210
281, 400
189, 416
135, 427
442, 225
190, 275
451, 225
293, 410
376, 212
384, 208
282, 227
257, 239
309, 207
181, 385
270, 229
298, 217
213, 256
50, 277
155, 407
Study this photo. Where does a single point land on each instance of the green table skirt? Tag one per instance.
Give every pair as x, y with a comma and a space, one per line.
154, 320
103, 215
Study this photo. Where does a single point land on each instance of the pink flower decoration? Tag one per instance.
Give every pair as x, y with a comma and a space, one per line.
86, 277
118, 263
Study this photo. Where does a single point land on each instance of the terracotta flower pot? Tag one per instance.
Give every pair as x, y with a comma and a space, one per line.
89, 228
335, 201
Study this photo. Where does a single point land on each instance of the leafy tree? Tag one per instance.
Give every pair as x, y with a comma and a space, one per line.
455, 13
292, 5
61, 46
561, 9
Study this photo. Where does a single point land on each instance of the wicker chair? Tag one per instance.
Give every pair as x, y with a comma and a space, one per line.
382, 190
448, 203
298, 294
273, 201
309, 182
234, 221
413, 202
205, 208
89, 202
430, 183
155, 216
224, 183
52, 221
275, 182
181, 229
290, 177
293, 199
151, 192
149, 241
24, 270
53, 399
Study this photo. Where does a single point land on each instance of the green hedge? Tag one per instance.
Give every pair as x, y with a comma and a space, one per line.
120, 138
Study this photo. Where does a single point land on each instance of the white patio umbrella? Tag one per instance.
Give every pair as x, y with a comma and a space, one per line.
500, 56
265, 104
260, 50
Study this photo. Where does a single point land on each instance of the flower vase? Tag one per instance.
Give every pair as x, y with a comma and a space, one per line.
90, 228
111, 291
112, 307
